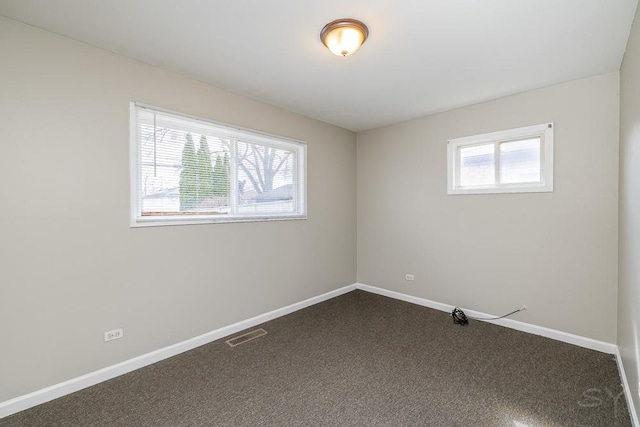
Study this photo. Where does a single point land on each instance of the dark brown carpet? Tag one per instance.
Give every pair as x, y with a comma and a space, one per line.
359, 359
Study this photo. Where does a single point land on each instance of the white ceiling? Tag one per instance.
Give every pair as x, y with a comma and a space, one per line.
422, 56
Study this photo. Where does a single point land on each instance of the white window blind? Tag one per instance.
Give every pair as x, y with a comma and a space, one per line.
187, 170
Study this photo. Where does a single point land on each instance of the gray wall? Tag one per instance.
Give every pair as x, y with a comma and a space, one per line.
555, 252
629, 232
71, 266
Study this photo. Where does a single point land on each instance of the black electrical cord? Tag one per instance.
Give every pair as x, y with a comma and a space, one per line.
459, 318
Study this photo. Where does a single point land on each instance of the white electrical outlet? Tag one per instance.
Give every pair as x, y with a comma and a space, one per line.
408, 277
113, 335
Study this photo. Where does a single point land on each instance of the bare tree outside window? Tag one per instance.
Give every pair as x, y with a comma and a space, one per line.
268, 170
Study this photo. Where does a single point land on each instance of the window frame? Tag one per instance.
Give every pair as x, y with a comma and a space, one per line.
544, 131
235, 134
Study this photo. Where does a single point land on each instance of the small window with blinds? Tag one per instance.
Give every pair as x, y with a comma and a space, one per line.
186, 170
511, 161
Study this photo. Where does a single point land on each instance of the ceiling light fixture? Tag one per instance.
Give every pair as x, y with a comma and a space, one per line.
344, 36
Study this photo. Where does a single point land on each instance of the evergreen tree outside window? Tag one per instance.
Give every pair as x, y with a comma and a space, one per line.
221, 176
188, 176
205, 171
229, 175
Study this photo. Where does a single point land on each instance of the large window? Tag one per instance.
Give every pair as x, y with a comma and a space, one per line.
511, 161
186, 170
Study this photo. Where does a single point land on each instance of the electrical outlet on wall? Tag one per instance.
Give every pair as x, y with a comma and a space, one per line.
113, 334
408, 277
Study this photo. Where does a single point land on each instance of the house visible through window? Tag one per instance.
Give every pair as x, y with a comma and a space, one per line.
187, 170
511, 161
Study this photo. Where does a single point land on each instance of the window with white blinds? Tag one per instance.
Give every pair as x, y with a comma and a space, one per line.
511, 161
186, 170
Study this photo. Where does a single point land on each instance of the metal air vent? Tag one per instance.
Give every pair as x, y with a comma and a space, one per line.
246, 337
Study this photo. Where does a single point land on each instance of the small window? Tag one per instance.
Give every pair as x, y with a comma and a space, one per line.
186, 170
511, 161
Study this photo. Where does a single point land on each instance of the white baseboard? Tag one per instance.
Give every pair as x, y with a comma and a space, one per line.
578, 340
38, 397
627, 391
